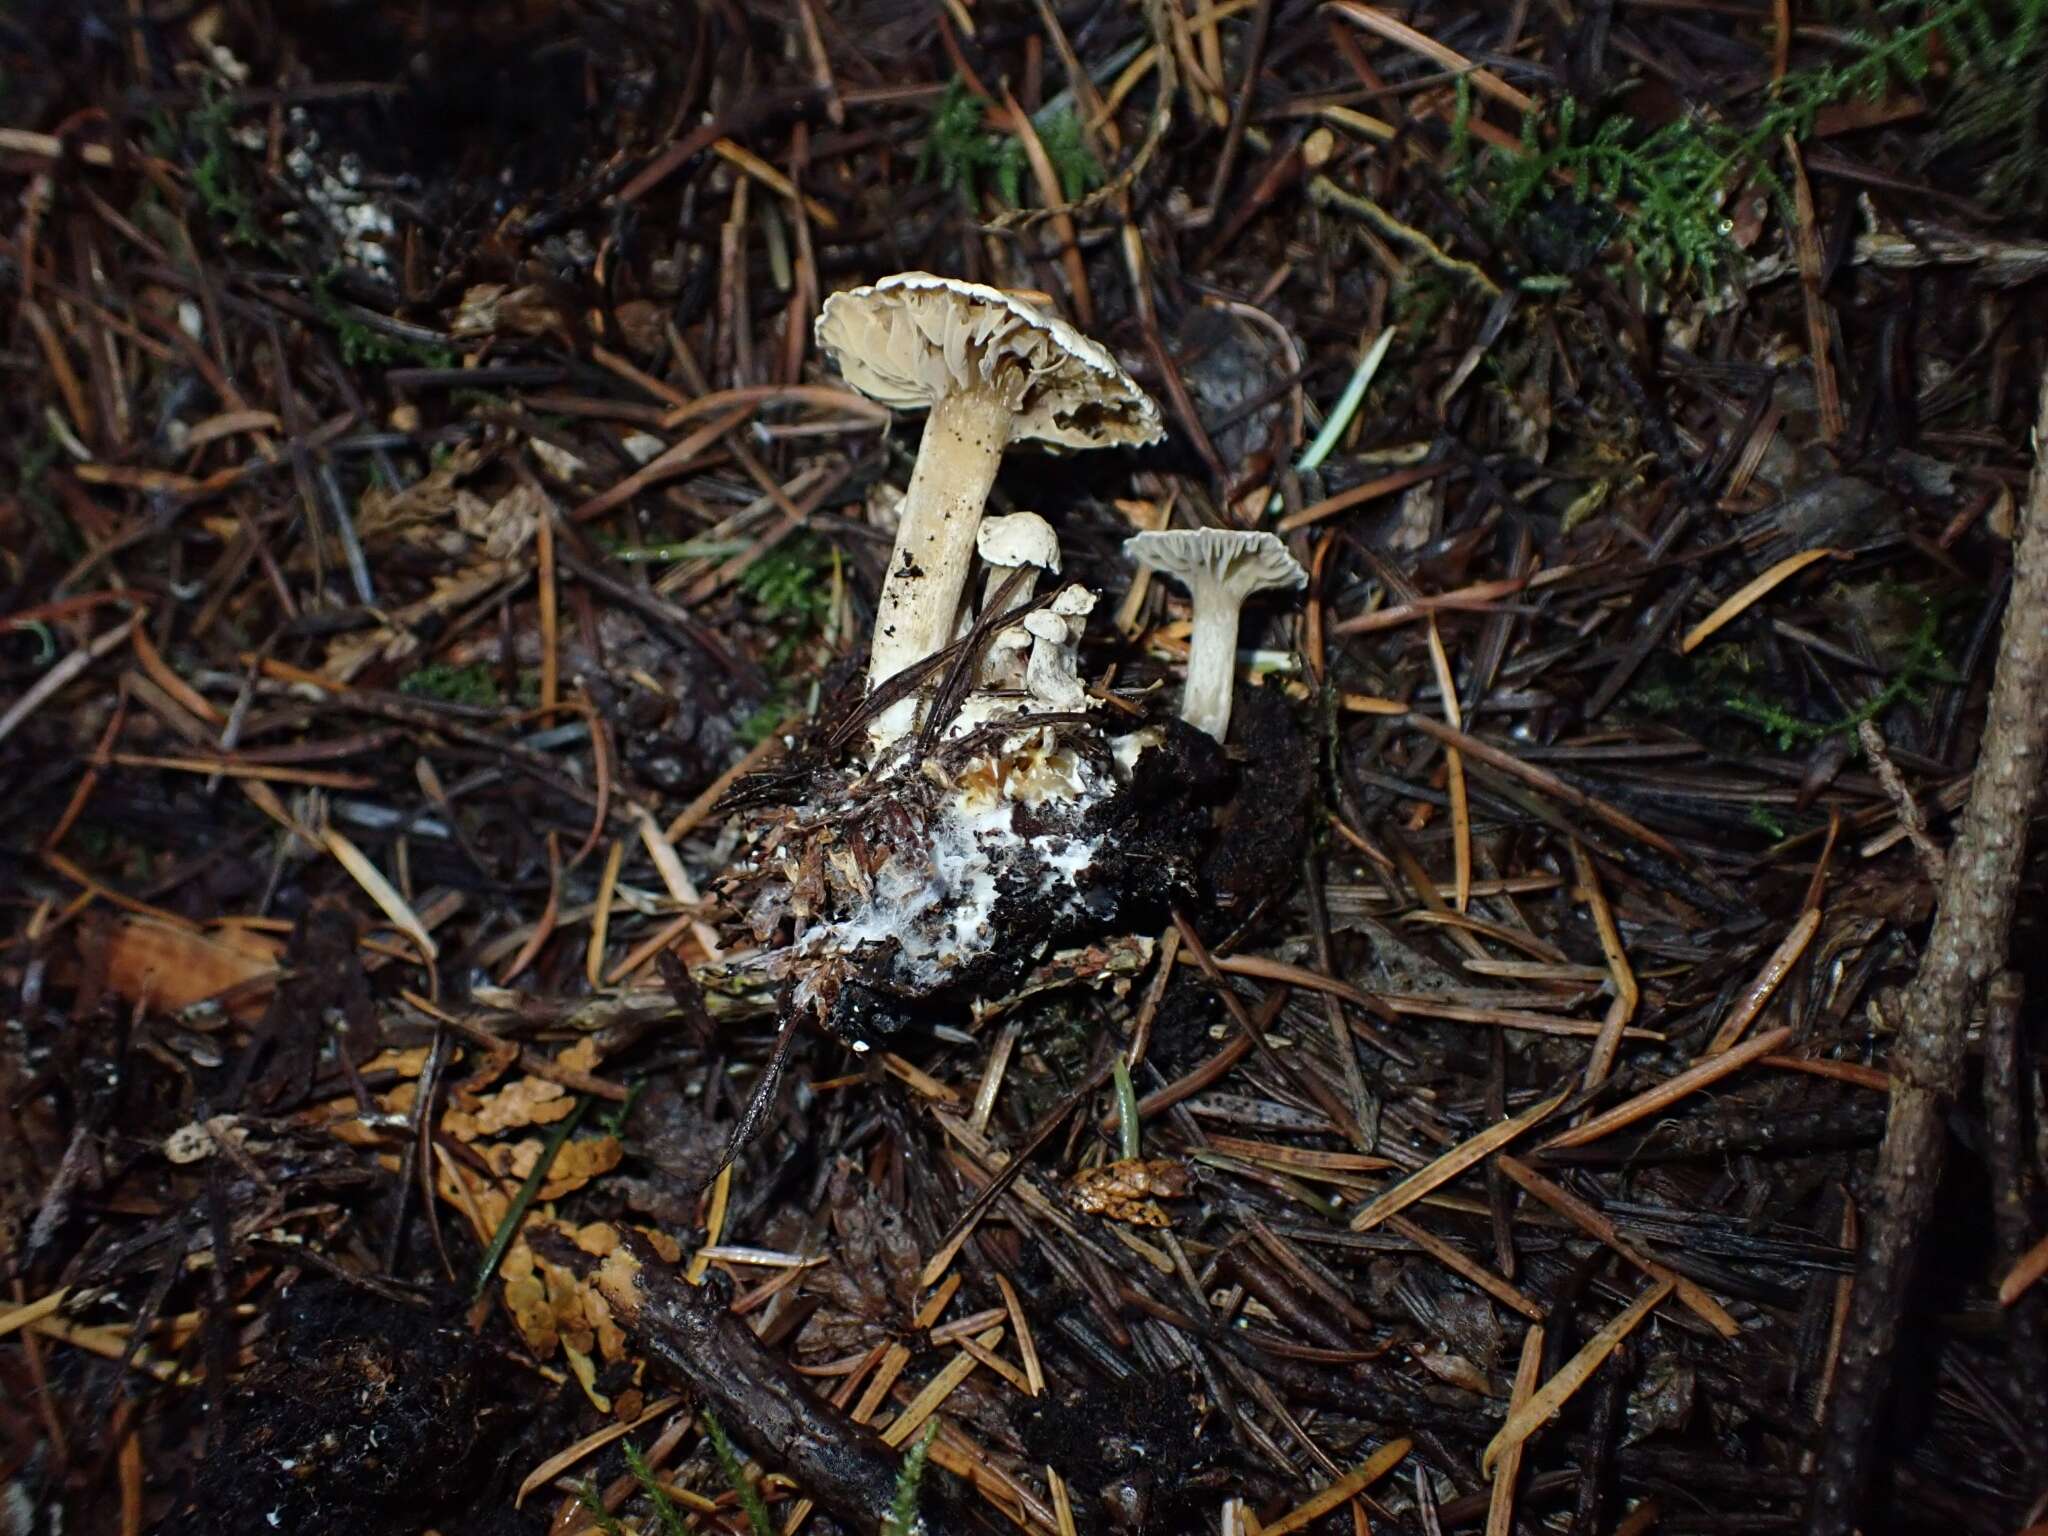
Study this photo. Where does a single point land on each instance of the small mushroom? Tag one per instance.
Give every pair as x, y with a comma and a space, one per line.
1051, 674
1220, 568
1074, 602
1023, 540
993, 370
1014, 639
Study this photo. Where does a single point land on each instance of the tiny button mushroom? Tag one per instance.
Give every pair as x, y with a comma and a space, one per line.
1074, 602
1022, 540
1220, 568
1051, 675
1008, 657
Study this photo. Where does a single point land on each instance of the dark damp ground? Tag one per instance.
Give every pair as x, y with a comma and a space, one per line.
264, 1146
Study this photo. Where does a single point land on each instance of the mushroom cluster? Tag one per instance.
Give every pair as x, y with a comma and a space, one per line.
992, 371
988, 812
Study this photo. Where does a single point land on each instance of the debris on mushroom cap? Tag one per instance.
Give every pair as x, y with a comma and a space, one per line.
1021, 538
912, 338
1241, 561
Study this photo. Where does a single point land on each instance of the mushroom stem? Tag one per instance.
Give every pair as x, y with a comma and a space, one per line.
997, 575
1220, 568
963, 444
1212, 660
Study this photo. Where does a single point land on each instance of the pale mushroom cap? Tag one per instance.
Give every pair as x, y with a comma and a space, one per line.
913, 338
1022, 538
1238, 562
1046, 626
1074, 602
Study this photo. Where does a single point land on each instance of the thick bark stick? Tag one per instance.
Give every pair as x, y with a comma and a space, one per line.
693, 1339
1967, 945
2005, 1149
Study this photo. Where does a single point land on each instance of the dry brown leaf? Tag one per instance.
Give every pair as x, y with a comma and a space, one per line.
553, 1308
477, 314
483, 1204
399, 1100
560, 464
640, 325
526, 1299
172, 968
579, 1162
494, 309
611, 1339
342, 1118
522, 1102
490, 1067
406, 1063
586, 1373
1457, 1370
505, 526
350, 654
382, 514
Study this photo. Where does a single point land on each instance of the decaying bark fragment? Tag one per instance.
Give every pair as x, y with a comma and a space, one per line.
1967, 946
689, 1334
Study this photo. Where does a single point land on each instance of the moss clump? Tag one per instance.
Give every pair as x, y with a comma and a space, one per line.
960, 148
902, 1517
1724, 681
363, 346
1661, 191
475, 685
792, 582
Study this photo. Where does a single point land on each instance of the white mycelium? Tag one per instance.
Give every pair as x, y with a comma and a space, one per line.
930, 907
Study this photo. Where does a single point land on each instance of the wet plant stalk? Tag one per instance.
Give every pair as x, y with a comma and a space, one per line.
1126, 1109
515, 1213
